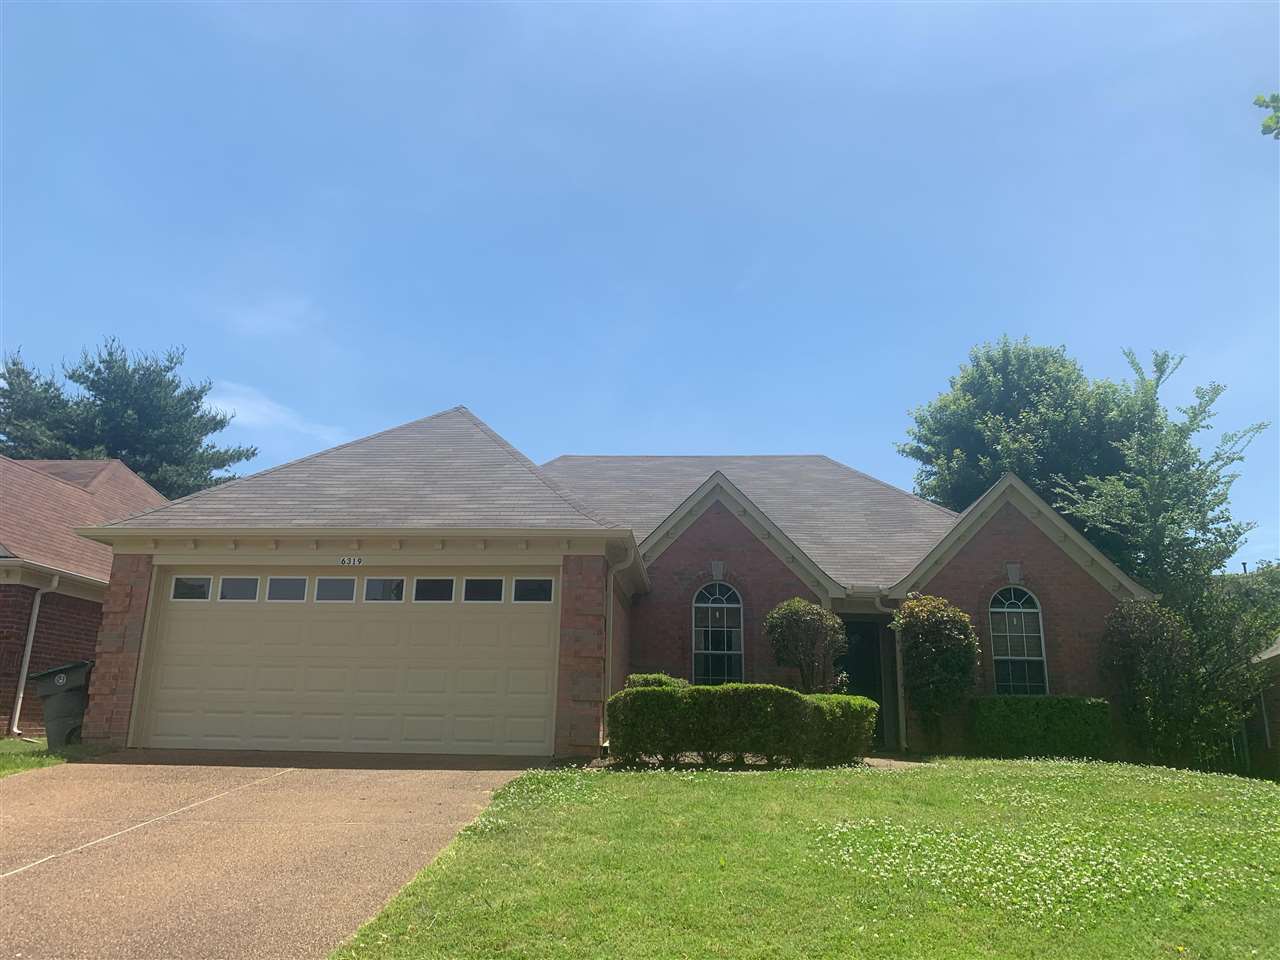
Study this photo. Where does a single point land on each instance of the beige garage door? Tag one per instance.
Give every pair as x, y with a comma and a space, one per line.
386, 660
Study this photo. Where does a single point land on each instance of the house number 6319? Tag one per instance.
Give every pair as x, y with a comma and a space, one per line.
350, 561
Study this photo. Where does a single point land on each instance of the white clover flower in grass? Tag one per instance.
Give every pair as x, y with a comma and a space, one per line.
1089, 852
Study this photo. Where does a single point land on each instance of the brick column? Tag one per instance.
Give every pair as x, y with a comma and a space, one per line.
580, 691
124, 612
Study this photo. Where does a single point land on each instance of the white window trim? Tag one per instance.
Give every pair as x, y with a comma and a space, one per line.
257, 588
1044, 650
453, 590
364, 592
173, 586
551, 599
693, 628
306, 589
355, 592
501, 580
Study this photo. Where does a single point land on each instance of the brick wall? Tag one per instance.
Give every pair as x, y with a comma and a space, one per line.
581, 685
662, 619
66, 630
1074, 606
124, 614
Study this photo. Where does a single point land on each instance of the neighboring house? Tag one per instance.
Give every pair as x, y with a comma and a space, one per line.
52, 581
1262, 730
430, 589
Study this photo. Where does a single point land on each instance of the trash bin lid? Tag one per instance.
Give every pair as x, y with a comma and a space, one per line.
64, 668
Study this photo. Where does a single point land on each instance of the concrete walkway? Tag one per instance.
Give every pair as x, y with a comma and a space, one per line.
152, 856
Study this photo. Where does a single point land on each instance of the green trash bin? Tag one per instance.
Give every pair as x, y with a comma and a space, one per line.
64, 693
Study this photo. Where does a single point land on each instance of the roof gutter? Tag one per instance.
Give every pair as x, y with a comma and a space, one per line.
112, 534
17, 563
26, 654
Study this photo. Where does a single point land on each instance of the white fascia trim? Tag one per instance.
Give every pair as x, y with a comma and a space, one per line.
721, 488
1009, 489
87, 584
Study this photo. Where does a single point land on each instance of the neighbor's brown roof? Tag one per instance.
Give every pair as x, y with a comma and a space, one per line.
121, 491
42, 501
858, 529
1271, 653
447, 470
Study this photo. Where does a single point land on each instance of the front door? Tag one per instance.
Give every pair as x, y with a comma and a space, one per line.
862, 663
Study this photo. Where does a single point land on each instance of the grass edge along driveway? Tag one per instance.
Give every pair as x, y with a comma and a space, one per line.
19, 756
959, 859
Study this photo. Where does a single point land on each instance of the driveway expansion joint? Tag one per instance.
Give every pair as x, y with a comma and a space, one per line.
136, 826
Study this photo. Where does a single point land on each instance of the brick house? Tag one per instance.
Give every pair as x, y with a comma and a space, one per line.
52, 581
1262, 730
430, 589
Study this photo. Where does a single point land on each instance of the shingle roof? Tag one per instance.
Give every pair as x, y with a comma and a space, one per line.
1271, 653
80, 473
121, 491
449, 470
39, 511
859, 530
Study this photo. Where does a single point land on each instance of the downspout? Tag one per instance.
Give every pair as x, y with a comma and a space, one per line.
608, 633
897, 659
26, 654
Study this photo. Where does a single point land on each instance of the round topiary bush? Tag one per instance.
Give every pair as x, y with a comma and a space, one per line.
939, 655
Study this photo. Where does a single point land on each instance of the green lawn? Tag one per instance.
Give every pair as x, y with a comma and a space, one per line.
959, 859
17, 756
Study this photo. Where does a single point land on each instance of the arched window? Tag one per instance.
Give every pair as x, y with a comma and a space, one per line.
1017, 642
717, 634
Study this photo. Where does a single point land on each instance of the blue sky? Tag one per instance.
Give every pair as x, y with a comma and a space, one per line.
644, 228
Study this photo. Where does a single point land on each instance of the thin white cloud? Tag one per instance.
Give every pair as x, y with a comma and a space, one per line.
275, 317
254, 409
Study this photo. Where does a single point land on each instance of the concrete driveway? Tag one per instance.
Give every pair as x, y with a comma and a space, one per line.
147, 855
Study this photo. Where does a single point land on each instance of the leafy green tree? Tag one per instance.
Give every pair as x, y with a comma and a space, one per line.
807, 637
1185, 689
1258, 592
1108, 455
1164, 512
1018, 408
1271, 122
132, 407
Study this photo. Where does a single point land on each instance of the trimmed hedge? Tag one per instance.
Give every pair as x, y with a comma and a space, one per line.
653, 680
841, 728
1035, 726
648, 722
735, 720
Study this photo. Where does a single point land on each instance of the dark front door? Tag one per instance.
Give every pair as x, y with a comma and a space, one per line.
862, 663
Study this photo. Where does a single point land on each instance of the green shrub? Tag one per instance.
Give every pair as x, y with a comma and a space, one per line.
654, 680
939, 655
648, 722
1186, 683
1034, 726
840, 728
735, 720
809, 638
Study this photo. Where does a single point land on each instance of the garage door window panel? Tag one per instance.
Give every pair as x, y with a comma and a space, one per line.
532, 590
192, 588
287, 590
238, 589
433, 590
335, 589
482, 590
384, 589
